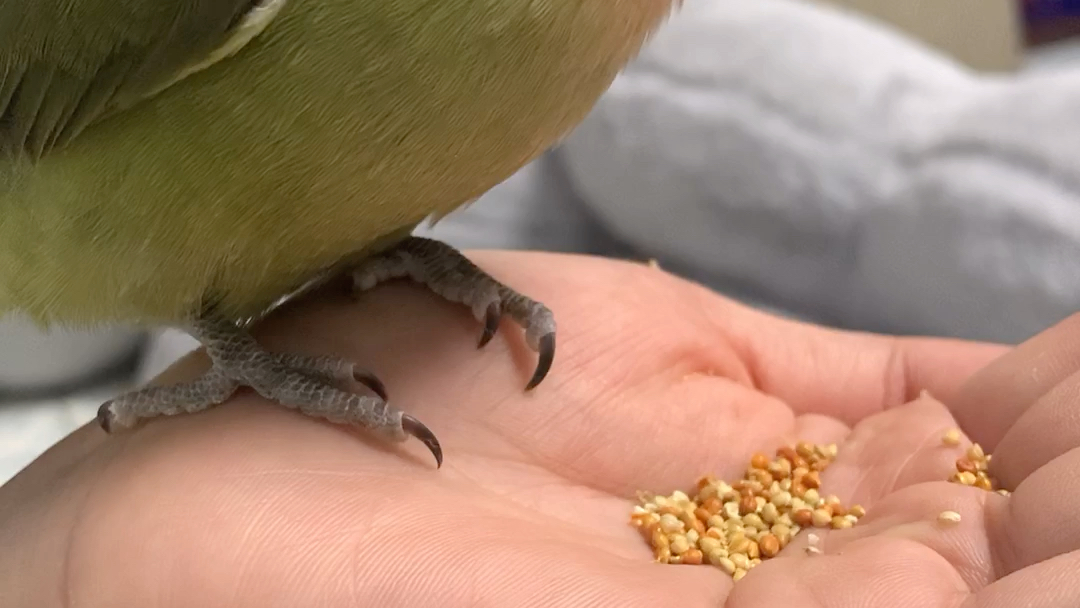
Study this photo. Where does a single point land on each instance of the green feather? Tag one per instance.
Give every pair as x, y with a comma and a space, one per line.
341, 126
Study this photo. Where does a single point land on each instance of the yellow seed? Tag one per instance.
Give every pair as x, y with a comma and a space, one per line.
753, 520
804, 449
840, 523
726, 564
857, 510
675, 559
951, 438
693, 537
679, 544
716, 521
663, 555
851, 518
820, 518
659, 539
680, 497
782, 533
781, 499
734, 528
948, 517
741, 547
708, 544
831, 451
769, 513
965, 477
975, 452
753, 550
739, 573
811, 497
740, 560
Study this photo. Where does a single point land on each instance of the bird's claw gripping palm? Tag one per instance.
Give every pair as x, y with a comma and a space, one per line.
319, 386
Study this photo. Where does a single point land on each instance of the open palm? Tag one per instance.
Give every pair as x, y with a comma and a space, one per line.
656, 382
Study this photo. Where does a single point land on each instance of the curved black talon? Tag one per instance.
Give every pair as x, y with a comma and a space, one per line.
491, 324
547, 356
105, 416
417, 429
371, 381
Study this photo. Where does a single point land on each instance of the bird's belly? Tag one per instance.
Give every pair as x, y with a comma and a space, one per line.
239, 182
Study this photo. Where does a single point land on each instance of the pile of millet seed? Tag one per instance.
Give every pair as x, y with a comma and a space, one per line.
972, 469
736, 526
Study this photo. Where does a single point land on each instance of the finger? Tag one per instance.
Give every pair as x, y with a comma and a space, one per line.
1039, 522
871, 572
895, 449
895, 464
1048, 584
845, 374
1047, 429
996, 396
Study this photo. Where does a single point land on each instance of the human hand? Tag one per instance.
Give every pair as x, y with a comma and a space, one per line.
657, 381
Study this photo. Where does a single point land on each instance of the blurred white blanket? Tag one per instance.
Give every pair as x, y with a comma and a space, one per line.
816, 161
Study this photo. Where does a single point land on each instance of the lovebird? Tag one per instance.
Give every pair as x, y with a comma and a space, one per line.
190, 163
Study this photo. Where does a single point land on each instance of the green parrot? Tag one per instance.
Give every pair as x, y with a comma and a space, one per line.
191, 163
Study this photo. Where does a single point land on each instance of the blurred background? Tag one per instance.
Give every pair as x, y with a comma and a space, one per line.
902, 167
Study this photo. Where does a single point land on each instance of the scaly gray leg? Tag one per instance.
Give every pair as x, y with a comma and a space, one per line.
451, 275
301, 382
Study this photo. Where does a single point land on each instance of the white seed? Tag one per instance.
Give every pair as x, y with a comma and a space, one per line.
731, 509
811, 497
740, 560
680, 497
948, 517
679, 544
693, 537
671, 524
813, 539
739, 573
782, 499
811, 551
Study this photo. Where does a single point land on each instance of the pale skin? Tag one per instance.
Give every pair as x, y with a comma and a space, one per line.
253, 505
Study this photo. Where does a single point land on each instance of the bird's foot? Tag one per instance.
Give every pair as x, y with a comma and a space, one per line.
316, 386
448, 273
